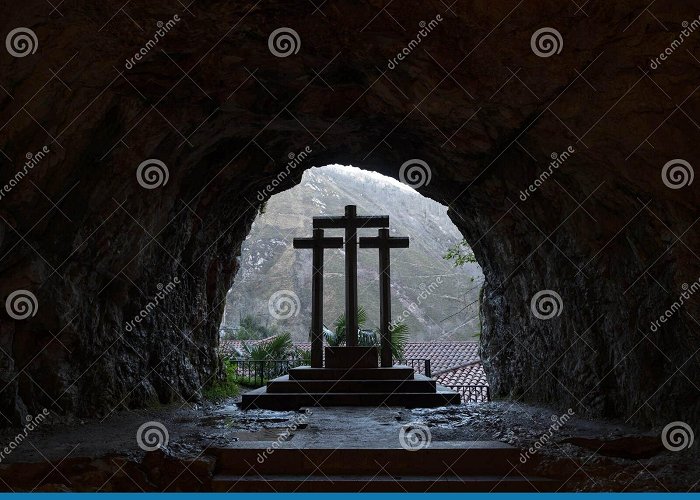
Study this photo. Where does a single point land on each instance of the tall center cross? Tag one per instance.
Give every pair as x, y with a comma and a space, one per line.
318, 243
384, 243
351, 222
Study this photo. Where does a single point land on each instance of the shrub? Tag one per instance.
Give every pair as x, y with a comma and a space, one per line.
225, 388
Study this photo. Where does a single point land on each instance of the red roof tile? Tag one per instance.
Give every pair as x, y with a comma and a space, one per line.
466, 375
443, 355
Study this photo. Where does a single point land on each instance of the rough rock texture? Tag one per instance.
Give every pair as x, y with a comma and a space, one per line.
223, 113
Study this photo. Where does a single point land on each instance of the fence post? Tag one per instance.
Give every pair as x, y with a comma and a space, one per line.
427, 368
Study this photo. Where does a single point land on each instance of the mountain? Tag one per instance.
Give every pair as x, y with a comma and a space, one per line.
435, 299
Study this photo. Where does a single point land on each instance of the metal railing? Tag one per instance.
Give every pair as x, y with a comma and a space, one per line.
472, 393
256, 373
419, 365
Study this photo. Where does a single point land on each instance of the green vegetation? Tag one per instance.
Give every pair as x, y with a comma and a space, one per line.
399, 334
267, 359
256, 379
399, 338
337, 338
304, 355
226, 388
460, 253
279, 347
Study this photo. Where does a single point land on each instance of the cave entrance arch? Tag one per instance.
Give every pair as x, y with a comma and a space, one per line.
480, 127
437, 300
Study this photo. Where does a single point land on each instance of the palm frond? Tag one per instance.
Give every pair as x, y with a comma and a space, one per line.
340, 326
331, 337
399, 339
281, 346
304, 355
278, 347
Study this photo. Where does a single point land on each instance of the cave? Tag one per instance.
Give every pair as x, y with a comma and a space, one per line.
138, 144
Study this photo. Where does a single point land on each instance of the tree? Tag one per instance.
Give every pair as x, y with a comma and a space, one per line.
269, 359
460, 253
250, 328
278, 347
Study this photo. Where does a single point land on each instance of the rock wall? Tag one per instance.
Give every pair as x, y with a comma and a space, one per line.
472, 98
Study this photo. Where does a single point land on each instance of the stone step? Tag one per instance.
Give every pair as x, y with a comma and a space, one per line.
260, 398
284, 385
393, 373
463, 458
382, 483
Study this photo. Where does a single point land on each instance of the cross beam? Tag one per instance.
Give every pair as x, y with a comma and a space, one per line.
351, 223
384, 243
318, 243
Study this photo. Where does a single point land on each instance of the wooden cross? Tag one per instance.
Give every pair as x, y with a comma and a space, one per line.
384, 242
351, 223
318, 244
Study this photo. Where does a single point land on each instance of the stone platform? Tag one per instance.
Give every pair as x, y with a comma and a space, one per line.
306, 386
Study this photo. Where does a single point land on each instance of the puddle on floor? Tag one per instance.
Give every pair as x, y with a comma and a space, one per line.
264, 435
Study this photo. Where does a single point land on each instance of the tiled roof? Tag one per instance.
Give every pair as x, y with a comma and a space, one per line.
443, 355
304, 346
465, 375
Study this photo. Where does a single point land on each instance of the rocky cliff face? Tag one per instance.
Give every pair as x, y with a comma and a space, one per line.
96, 239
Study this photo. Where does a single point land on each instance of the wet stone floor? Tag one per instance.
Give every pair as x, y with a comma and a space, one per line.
588, 455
